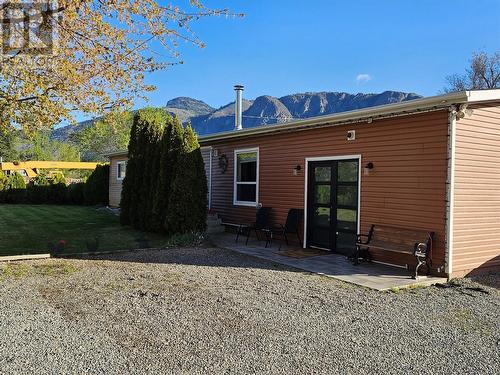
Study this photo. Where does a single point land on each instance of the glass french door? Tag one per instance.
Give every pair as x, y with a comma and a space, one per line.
332, 208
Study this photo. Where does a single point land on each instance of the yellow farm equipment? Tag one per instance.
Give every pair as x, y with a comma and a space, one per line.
30, 169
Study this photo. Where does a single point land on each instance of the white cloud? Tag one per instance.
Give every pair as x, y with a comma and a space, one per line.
362, 78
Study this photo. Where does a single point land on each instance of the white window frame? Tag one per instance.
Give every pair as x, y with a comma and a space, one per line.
121, 162
235, 175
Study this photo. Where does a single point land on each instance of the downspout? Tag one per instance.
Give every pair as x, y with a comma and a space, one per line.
452, 124
210, 179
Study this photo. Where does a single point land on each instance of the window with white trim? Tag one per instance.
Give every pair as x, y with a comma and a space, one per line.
246, 177
121, 170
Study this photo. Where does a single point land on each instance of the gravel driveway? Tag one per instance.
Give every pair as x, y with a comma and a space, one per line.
214, 311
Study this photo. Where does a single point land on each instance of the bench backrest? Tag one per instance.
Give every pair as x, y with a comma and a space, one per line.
399, 239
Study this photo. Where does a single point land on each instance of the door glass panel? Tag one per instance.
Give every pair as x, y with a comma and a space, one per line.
333, 184
322, 216
321, 237
322, 195
323, 174
348, 171
346, 219
346, 242
347, 195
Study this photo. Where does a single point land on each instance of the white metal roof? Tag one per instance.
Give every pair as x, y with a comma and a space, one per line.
116, 153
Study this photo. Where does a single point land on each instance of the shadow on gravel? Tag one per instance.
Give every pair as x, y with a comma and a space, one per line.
198, 256
208, 255
491, 280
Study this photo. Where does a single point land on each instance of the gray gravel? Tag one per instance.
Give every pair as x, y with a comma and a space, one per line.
214, 311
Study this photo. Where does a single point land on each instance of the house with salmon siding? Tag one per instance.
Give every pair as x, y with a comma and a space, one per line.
429, 165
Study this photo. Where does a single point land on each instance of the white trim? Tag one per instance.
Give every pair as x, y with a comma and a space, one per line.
482, 95
256, 183
452, 124
118, 163
306, 176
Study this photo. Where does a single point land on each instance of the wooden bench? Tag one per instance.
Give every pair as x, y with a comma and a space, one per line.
414, 242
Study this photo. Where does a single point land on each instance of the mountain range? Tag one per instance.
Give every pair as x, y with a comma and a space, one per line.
264, 110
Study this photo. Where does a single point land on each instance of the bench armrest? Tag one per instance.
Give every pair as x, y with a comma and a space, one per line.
421, 249
359, 238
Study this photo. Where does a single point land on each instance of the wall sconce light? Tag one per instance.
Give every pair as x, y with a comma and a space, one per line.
368, 167
296, 170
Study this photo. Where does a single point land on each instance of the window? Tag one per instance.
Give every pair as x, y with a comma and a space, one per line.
246, 177
121, 169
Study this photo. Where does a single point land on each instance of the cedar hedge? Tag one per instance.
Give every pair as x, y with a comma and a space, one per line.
54, 190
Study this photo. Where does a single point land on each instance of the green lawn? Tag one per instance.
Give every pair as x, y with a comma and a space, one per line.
28, 229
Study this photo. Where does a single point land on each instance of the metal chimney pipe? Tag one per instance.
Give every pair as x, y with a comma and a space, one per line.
238, 107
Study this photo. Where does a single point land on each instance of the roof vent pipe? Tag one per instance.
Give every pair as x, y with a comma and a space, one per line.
238, 107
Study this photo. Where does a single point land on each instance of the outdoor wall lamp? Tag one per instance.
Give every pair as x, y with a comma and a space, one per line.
296, 170
368, 167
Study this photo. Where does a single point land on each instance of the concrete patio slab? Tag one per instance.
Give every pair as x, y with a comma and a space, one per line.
369, 275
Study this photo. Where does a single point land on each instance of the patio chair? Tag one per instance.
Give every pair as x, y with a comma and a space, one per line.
262, 217
291, 227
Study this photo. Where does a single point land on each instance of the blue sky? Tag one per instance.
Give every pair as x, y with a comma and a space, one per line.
288, 46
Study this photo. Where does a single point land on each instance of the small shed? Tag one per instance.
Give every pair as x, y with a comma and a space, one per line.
431, 164
117, 170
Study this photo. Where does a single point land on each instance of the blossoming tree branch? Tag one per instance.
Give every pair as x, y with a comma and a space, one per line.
89, 56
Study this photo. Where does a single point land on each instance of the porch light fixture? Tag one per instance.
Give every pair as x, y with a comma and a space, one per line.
368, 167
296, 170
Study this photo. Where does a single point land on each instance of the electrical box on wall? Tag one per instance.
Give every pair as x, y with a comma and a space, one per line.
351, 135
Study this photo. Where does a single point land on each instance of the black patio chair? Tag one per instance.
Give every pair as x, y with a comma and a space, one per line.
262, 218
291, 227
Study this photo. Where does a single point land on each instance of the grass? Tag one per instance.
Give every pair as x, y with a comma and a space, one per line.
466, 320
29, 229
19, 270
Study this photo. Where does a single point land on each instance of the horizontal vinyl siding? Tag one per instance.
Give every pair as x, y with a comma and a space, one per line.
406, 188
476, 227
115, 186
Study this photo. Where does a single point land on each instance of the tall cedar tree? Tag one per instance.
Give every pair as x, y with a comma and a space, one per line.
171, 146
129, 192
128, 181
187, 207
152, 136
142, 166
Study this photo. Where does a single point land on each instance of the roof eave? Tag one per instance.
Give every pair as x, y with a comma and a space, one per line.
116, 153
